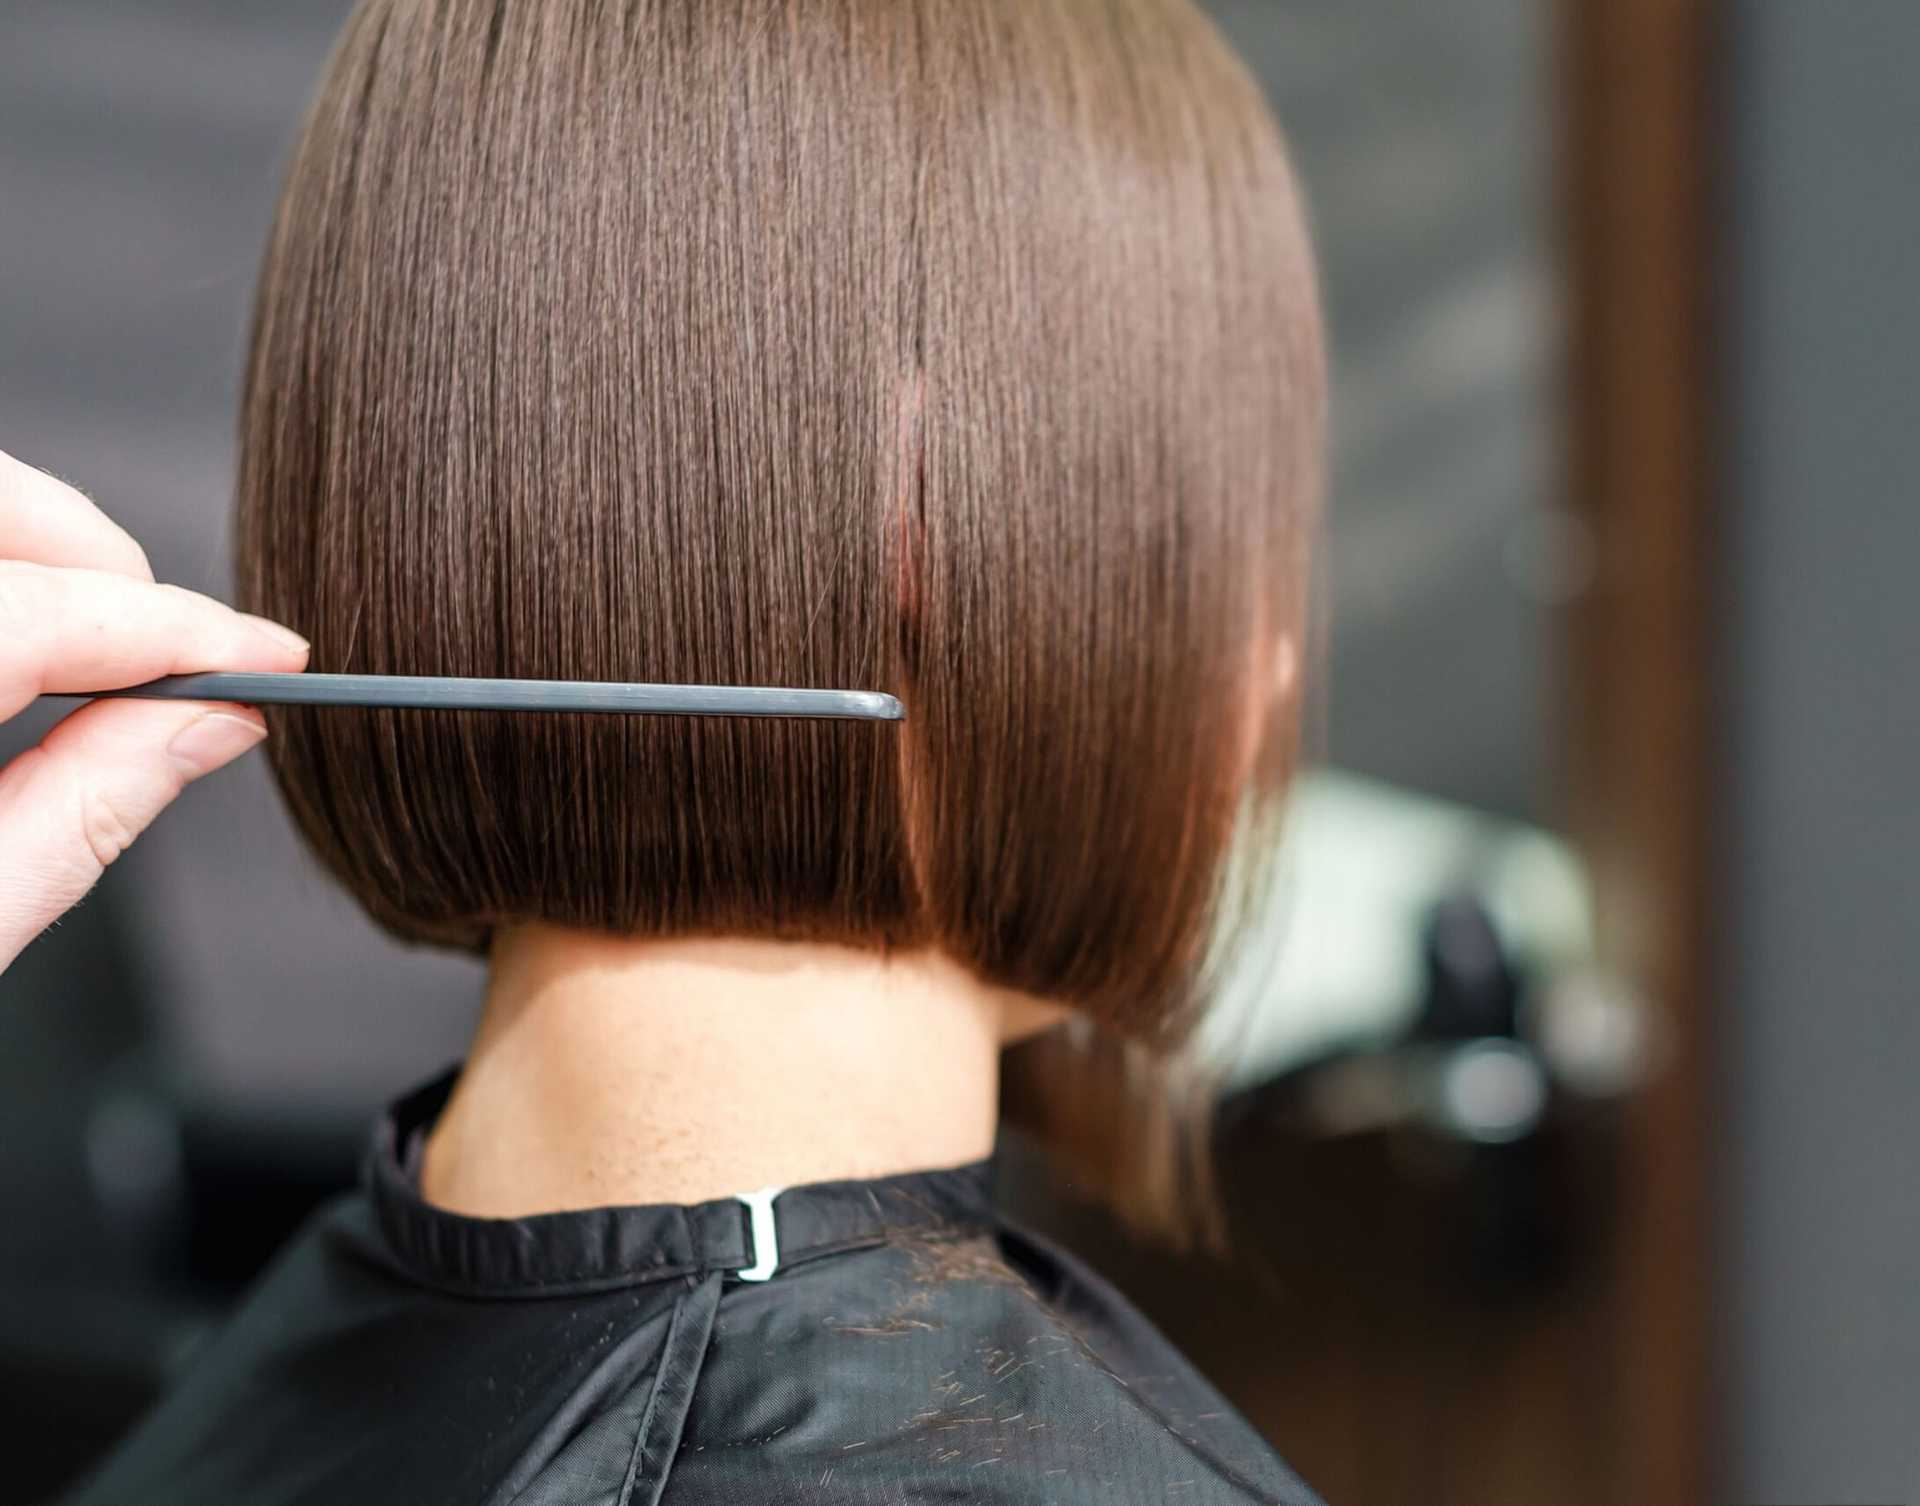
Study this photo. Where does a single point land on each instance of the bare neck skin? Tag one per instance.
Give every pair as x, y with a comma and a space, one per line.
614, 1071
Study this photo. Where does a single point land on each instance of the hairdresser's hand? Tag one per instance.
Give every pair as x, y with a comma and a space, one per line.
79, 611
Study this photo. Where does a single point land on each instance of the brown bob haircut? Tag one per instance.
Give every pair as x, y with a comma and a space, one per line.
963, 349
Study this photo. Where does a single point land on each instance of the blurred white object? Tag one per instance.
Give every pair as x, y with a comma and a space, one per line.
1339, 964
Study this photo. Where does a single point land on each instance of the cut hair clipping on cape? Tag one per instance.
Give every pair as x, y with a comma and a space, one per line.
449, 693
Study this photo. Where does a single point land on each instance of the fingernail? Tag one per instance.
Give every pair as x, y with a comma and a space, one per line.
286, 637
211, 739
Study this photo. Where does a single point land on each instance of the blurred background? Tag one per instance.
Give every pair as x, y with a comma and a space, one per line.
1570, 1149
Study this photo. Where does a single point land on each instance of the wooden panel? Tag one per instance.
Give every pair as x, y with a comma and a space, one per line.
1636, 197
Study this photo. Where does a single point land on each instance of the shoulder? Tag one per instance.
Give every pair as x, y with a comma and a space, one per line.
186, 1447
1155, 1383
995, 1366
990, 1367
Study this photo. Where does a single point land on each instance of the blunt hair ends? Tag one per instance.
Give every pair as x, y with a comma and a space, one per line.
967, 350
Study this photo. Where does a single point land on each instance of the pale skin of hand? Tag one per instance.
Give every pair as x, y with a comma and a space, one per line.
79, 612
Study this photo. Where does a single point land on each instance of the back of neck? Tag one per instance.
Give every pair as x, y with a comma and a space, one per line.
609, 1070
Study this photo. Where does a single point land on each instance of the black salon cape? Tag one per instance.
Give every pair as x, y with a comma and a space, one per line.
911, 1346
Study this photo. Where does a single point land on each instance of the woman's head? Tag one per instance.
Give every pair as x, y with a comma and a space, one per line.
963, 349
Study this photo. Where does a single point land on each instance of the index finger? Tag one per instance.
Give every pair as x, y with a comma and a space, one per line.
47, 522
75, 631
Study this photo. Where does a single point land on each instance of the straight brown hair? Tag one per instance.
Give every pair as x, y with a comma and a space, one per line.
963, 349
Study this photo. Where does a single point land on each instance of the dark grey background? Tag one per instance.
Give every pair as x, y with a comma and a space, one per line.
1821, 749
